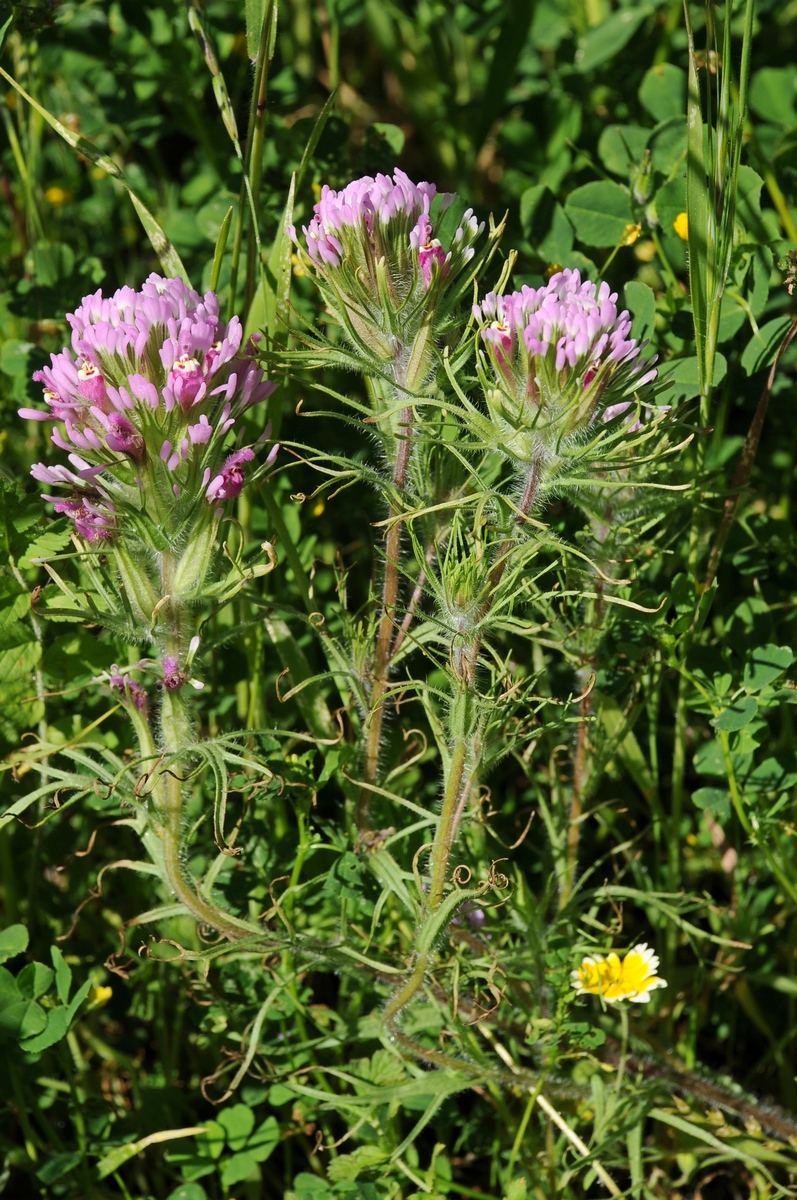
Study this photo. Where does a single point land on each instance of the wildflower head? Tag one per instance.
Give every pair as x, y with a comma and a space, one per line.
613, 979
132, 693
382, 268
560, 355
144, 402
173, 676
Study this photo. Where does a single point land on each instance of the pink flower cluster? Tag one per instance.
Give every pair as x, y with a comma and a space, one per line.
131, 692
385, 217
154, 381
564, 344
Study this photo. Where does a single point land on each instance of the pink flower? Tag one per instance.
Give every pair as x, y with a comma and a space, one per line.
93, 522
187, 381
230, 480
429, 254
386, 217
173, 677
560, 353
152, 384
132, 692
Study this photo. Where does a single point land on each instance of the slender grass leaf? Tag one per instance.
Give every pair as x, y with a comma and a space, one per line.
121, 1154
255, 11
167, 255
221, 245
697, 208
726, 1149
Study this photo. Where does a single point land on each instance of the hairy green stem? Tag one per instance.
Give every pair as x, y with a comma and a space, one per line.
176, 737
577, 803
447, 827
204, 913
458, 784
382, 656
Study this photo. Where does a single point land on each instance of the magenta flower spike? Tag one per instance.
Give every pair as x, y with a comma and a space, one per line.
383, 270
144, 401
560, 355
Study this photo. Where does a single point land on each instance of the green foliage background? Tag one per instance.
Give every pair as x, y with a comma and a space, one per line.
571, 117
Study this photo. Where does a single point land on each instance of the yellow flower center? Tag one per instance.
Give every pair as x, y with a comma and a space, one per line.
616, 980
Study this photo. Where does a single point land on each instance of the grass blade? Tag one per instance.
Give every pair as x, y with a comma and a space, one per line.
697, 208
168, 257
221, 246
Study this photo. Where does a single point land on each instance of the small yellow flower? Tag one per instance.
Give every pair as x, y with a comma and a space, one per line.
98, 996
57, 196
681, 226
631, 234
552, 269
633, 978
318, 507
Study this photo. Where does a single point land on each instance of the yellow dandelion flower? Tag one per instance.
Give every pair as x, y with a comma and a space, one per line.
632, 978
681, 226
57, 196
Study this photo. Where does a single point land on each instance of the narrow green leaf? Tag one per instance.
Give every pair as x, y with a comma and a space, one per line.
121, 1154
78, 998
697, 211
314, 137
221, 246
63, 974
167, 255
693, 1130
255, 12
